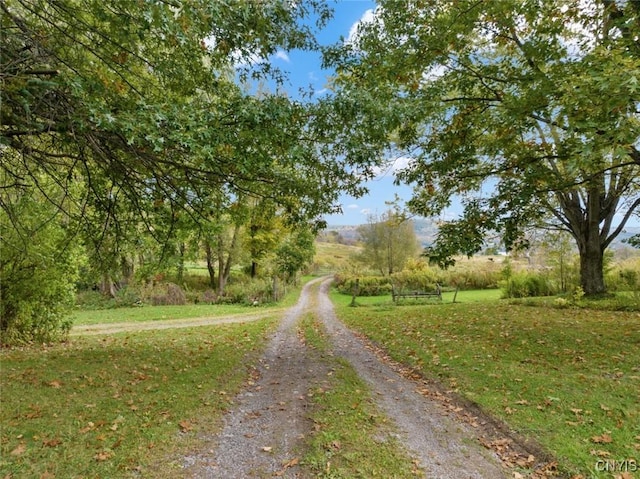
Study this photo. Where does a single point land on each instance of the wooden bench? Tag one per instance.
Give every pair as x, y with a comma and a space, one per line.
416, 294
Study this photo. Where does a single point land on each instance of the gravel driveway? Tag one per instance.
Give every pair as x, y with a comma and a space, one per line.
264, 433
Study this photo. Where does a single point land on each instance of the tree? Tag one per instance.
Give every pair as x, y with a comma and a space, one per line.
133, 110
38, 268
525, 110
388, 242
145, 95
295, 252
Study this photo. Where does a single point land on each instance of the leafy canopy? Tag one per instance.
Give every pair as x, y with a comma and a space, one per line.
525, 110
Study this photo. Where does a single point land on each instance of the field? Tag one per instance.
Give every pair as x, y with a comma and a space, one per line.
570, 378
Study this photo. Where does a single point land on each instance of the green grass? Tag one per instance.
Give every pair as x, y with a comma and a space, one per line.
156, 313
569, 378
123, 405
351, 436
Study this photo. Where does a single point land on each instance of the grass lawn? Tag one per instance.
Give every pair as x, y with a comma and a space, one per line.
568, 377
156, 313
123, 405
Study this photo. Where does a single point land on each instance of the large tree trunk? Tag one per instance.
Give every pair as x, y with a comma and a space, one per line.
591, 245
592, 264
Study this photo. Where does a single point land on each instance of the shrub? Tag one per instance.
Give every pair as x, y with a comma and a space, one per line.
38, 271
527, 284
367, 285
623, 279
91, 299
248, 292
423, 280
160, 294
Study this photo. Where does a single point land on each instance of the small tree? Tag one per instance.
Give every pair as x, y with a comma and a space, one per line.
560, 255
295, 252
388, 242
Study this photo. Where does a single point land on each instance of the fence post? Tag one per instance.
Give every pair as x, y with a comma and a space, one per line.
356, 288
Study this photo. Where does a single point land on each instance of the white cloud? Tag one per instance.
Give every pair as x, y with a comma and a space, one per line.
353, 206
281, 55
321, 91
365, 211
392, 166
367, 17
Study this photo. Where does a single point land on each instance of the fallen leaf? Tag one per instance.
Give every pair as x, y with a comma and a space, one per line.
55, 384
286, 466
103, 456
52, 442
599, 453
185, 426
604, 439
47, 475
267, 448
19, 450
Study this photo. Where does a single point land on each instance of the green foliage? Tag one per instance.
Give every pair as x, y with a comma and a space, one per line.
509, 106
425, 280
388, 242
625, 276
295, 252
38, 269
253, 291
367, 285
526, 284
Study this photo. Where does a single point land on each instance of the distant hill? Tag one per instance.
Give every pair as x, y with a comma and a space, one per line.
426, 231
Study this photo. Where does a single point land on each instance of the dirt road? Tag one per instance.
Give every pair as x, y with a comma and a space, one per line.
266, 428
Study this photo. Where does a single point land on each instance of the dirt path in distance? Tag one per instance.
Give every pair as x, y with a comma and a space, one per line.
263, 435
112, 328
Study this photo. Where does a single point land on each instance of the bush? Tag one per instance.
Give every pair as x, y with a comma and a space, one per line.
423, 280
527, 284
38, 271
256, 290
367, 285
623, 279
159, 294
91, 299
